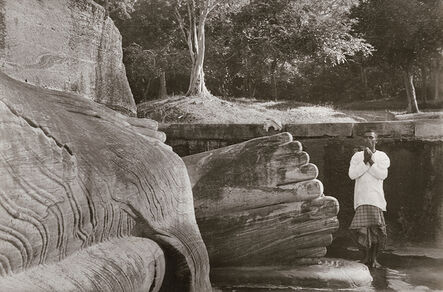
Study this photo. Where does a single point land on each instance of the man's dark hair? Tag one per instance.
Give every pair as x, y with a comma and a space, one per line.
371, 131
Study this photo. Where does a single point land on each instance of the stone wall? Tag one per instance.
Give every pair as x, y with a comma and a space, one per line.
67, 45
414, 188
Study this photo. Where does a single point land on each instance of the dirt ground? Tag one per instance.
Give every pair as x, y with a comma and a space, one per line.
180, 109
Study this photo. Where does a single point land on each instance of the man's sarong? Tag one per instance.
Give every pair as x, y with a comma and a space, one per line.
368, 226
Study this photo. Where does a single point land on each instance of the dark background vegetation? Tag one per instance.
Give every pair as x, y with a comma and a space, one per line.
315, 51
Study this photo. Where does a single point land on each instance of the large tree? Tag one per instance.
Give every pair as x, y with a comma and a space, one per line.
267, 39
192, 16
405, 34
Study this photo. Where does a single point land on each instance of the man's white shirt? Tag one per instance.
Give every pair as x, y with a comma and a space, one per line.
368, 188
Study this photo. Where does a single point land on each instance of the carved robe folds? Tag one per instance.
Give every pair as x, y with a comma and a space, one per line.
82, 188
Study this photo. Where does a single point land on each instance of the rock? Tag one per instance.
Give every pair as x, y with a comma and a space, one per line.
259, 203
320, 273
127, 264
272, 124
69, 45
237, 199
75, 176
265, 220
268, 161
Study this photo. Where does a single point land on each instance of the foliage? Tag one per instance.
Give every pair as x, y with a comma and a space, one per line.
291, 49
404, 32
192, 16
407, 35
266, 40
152, 46
118, 8
141, 68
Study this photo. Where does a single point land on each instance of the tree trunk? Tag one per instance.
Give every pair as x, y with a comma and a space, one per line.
274, 80
146, 92
106, 7
436, 89
424, 84
197, 86
249, 87
162, 90
194, 35
410, 91
363, 78
274, 87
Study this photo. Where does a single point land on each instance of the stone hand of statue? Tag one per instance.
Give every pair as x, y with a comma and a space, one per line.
367, 156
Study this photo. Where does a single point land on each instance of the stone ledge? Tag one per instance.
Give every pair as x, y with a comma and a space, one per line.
394, 129
320, 130
321, 273
240, 132
429, 129
216, 131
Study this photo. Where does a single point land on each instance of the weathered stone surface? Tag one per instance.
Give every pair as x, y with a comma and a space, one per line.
217, 131
258, 203
250, 131
268, 161
318, 273
126, 264
395, 129
191, 139
197, 138
75, 174
234, 199
429, 129
320, 130
277, 234
68, 45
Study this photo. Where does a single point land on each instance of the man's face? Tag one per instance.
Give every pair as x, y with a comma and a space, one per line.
369, 139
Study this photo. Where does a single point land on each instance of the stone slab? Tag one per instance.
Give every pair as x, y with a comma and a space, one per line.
238, 132
319, 130
429, 129
316, 273
395, 129
243, 132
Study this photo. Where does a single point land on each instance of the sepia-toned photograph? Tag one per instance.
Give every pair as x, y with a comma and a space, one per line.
221, 145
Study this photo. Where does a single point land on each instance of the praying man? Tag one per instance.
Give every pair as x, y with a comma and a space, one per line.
369, 168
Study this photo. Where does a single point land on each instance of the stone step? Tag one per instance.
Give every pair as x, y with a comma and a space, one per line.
309, 273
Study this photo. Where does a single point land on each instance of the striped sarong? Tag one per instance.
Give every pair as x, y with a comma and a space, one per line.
368, 226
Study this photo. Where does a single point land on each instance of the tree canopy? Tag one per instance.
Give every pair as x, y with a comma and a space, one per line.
405, 34
118, 8
270, 38
296, 49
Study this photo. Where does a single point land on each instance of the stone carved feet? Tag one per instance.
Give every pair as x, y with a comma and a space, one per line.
259, 203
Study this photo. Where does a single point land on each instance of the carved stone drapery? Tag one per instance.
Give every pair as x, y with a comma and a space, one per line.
75, 174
